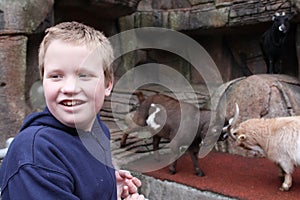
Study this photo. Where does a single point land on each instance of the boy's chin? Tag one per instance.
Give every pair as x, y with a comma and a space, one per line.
83, 125
79, 125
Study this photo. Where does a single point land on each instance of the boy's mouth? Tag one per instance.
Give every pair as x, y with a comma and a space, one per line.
71, 103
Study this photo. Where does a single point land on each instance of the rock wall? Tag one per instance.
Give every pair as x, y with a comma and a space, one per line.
203, 14
22, 25
17, 20
227, 29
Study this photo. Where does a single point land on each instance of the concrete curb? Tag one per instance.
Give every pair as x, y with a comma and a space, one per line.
155, 189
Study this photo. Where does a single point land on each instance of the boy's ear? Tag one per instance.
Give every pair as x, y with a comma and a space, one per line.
108, 88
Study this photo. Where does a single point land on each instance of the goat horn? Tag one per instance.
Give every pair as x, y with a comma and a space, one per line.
277, 14
233, 120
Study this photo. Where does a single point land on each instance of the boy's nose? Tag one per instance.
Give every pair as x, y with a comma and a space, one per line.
70, 85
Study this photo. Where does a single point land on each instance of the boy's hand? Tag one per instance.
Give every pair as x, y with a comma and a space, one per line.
135, 196
127, 185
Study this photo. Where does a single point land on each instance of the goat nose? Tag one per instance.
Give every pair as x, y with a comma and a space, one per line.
282, 28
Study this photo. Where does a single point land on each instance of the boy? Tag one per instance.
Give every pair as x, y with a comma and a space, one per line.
64, 151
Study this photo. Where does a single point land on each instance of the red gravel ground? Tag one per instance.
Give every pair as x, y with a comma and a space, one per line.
233, 176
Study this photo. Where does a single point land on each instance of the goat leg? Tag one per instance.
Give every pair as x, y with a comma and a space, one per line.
123, 140
271, 67
175, 154
279, 67
280, 173
172, 167
286, 185
287, 169
126, 133
156, 140
194, 157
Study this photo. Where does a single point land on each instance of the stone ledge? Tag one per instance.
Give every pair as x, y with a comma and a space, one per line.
155, 189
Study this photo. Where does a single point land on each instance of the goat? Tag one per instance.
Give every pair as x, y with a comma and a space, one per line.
171, 118
278, 139
273, 41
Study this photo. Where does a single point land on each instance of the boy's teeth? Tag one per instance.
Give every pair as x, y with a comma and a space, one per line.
71, 103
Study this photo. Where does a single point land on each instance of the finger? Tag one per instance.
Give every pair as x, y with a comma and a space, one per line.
131, 186
135, 196
125, 192
125, 174
137, 182
140, 197
118, 176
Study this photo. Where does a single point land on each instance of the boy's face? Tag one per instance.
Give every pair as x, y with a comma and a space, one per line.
74, 87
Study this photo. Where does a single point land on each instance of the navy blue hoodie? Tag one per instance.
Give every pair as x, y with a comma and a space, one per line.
50, 161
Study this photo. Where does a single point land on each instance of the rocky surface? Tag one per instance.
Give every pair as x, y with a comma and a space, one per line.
257, 96
199, 14
22, 24
261, 96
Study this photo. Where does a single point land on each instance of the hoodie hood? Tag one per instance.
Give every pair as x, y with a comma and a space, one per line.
45, 118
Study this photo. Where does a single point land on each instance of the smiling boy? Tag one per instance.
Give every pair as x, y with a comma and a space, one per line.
64, 151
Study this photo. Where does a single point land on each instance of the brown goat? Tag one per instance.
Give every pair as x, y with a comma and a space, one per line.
171, 118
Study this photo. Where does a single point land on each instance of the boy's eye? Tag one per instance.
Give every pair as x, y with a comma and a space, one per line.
56, 76
83, 75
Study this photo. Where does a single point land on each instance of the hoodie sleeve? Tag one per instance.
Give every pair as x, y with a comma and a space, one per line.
25, 179
48, 161
35, 183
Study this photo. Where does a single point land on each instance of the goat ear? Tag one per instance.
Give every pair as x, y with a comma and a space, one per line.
273, 18
291, 15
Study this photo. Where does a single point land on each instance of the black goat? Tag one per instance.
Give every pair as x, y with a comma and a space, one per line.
273, 42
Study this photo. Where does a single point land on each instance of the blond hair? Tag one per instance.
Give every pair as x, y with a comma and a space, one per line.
79, 34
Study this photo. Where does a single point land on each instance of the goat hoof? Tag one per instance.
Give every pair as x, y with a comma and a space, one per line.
200, 174
285, 187
122, 145
172, 172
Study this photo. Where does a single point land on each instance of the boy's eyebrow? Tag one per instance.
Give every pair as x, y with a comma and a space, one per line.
84, 70
88, 69
53, 70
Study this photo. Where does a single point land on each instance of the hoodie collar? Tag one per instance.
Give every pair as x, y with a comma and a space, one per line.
45, 118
